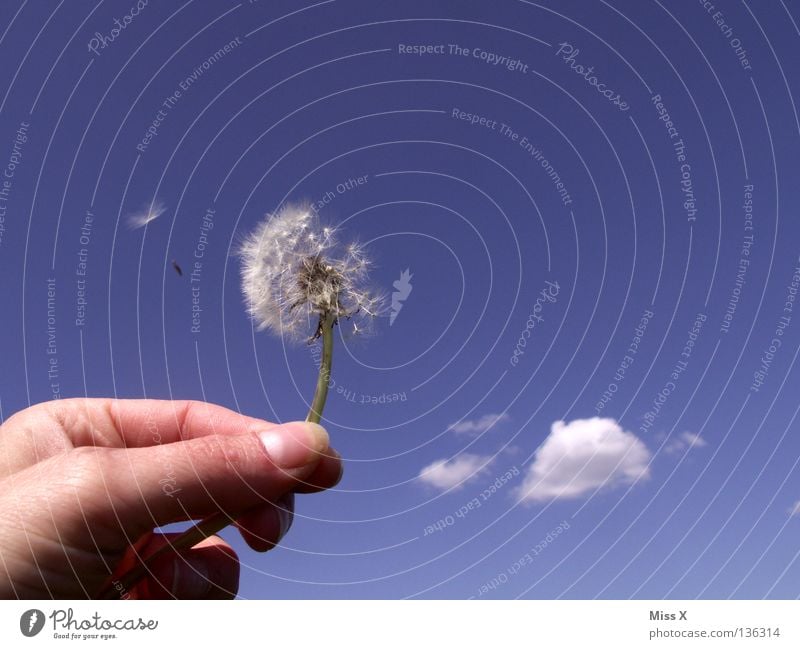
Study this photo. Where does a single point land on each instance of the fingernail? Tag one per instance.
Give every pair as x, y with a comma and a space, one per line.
285, 509
336, 455
190, 578
295, 444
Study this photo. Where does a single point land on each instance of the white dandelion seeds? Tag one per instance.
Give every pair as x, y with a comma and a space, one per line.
295, 273
151, 213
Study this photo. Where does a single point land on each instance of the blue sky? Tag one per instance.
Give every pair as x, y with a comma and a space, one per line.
590, 197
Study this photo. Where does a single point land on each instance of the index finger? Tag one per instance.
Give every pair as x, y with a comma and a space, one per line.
147, 422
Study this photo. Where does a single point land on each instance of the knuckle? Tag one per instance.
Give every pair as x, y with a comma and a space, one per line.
82, 465
83, 480
220, 450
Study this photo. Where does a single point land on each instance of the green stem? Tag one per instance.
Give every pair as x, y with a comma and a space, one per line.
216, 522
324, 376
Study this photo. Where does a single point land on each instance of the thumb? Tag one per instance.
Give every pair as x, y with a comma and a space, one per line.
145, 487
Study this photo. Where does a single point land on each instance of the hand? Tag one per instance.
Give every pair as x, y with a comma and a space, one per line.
83, 482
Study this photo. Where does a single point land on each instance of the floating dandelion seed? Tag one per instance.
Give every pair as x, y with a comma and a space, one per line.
140, 219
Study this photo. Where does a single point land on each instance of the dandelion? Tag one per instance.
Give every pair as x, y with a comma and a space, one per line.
298, 281
295, 274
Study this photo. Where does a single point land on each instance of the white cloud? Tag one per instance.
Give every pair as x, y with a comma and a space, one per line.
581, 456
684, 441
478, 425
794, 510
450, 474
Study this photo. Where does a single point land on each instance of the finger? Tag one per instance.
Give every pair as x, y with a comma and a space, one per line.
134, 490
52, 428
147, 422
264, 526
216, 473
210, 570
326, 475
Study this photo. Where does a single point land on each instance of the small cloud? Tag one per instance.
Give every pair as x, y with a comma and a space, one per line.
479, 425
150, 213
581, 456
794, 510
683, 442
452, 474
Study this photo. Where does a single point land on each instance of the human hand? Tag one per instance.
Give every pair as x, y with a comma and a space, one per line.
83, 482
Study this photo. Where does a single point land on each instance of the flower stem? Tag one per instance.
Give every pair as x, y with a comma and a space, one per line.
324, 376
216, 522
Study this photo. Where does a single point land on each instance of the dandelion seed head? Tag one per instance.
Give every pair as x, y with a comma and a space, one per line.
295, 271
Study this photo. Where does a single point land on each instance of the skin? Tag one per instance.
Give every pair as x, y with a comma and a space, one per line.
84, 482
